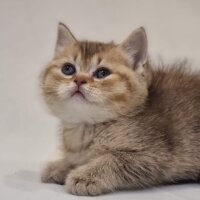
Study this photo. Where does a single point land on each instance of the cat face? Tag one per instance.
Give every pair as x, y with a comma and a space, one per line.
92, 82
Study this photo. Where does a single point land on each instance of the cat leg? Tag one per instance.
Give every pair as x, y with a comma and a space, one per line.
56, 172
111, 172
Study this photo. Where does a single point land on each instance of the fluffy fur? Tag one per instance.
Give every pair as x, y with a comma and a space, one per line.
136, 128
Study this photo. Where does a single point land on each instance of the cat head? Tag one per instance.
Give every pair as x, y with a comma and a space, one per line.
92, 82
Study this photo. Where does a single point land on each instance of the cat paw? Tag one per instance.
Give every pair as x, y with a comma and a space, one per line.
83, 185
54, 173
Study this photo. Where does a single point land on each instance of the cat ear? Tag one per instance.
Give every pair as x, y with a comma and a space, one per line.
136, 47
64, 38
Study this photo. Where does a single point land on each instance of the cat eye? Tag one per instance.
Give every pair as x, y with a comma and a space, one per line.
68, 69
101, 73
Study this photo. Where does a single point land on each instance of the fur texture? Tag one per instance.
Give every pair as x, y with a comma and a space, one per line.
136, 128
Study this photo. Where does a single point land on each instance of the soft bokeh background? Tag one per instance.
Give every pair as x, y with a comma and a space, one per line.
27, 37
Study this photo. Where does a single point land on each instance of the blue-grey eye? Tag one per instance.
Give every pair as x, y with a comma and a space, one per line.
102, 72
68, 69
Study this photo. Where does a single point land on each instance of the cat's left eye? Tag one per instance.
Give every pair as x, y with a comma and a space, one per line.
68, 69
101, 73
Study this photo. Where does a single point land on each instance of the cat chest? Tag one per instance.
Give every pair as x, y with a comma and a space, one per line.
76, 139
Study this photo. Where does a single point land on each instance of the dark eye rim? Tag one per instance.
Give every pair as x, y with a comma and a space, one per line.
102, 68
67, 64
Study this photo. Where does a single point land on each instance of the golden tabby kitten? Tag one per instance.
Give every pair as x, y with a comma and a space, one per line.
125, 124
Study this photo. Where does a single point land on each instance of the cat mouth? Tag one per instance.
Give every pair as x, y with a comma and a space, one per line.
78, 94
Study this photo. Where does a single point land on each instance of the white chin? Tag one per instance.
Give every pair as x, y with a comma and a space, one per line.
79, 110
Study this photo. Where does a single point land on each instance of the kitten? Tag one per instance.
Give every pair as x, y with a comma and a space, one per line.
125, 124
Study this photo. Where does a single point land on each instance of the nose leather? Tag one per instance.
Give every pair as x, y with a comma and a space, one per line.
79, 80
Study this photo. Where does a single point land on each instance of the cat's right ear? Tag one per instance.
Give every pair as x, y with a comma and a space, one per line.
64, 38
136, 47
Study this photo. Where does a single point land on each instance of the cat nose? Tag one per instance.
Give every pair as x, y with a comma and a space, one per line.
80, 80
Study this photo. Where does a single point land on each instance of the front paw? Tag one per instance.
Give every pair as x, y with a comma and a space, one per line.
55, 172
82, 184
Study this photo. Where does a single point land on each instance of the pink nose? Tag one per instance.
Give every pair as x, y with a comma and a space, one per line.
80, 80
